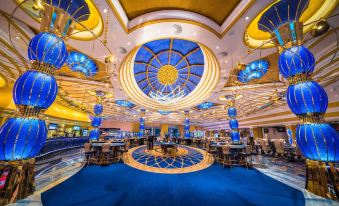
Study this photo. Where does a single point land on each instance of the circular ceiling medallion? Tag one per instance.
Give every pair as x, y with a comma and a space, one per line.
160, 65
316, 10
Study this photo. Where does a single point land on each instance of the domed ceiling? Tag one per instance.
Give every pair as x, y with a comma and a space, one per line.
166, 63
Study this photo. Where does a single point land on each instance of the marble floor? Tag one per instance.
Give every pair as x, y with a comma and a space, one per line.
54, 170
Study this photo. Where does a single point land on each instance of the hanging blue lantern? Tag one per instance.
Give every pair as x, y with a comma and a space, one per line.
142, 127
325, 148
98, 109
79, 62
47, 48
21, 138
234, 124
254, 70
44, 86
96, 121
296, 60
235, 136
232, 112
94, 134
307, 97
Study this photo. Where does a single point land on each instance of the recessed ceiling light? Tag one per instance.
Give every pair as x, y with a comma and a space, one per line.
105, 11
128, 43
226, 61
195, 33
247, 18
17, 37
217, 47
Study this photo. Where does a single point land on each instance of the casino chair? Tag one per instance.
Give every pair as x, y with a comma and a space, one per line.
106, 156
123, 151
246, 156
211, 152
89, 153
226, 156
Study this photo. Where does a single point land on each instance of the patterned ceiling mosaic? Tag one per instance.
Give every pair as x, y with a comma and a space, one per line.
166, 63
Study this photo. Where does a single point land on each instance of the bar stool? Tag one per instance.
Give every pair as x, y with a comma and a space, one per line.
105, 153
89, 153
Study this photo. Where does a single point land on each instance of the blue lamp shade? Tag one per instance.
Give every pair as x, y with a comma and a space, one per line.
21, 138
296, 60
36, 89
234, 124
79, 62
124, 103
232, 112
48, 48
96, 121
306, 97
98, 108
318, 142
205, 105
94, 134
164, 112
280, 13
78, 9
254, 70
235, 136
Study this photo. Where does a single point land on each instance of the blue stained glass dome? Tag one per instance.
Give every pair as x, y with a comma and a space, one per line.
306, 97
280, 13
78, 9
318, 142
44, 85
254, 70
296, 60
22, 138
48, 48
79, 62
98, 108
168, 62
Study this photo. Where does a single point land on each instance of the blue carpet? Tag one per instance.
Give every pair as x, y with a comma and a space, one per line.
122, 185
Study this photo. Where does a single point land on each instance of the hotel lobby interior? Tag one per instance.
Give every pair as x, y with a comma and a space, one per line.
169, 102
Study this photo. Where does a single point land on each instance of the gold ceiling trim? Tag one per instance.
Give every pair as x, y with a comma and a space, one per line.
206, 85
283, 121
196, 23
253, 37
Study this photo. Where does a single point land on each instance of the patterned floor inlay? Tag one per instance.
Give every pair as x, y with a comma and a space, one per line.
186, 159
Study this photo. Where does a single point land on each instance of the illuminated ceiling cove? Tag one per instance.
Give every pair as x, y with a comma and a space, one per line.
166, 63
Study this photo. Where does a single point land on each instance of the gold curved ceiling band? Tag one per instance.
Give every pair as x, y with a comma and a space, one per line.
254, 38
196, 23
206, 85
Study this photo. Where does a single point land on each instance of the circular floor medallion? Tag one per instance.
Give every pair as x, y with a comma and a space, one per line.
186, 159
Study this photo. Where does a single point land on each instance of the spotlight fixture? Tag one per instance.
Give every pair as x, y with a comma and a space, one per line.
320, 28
